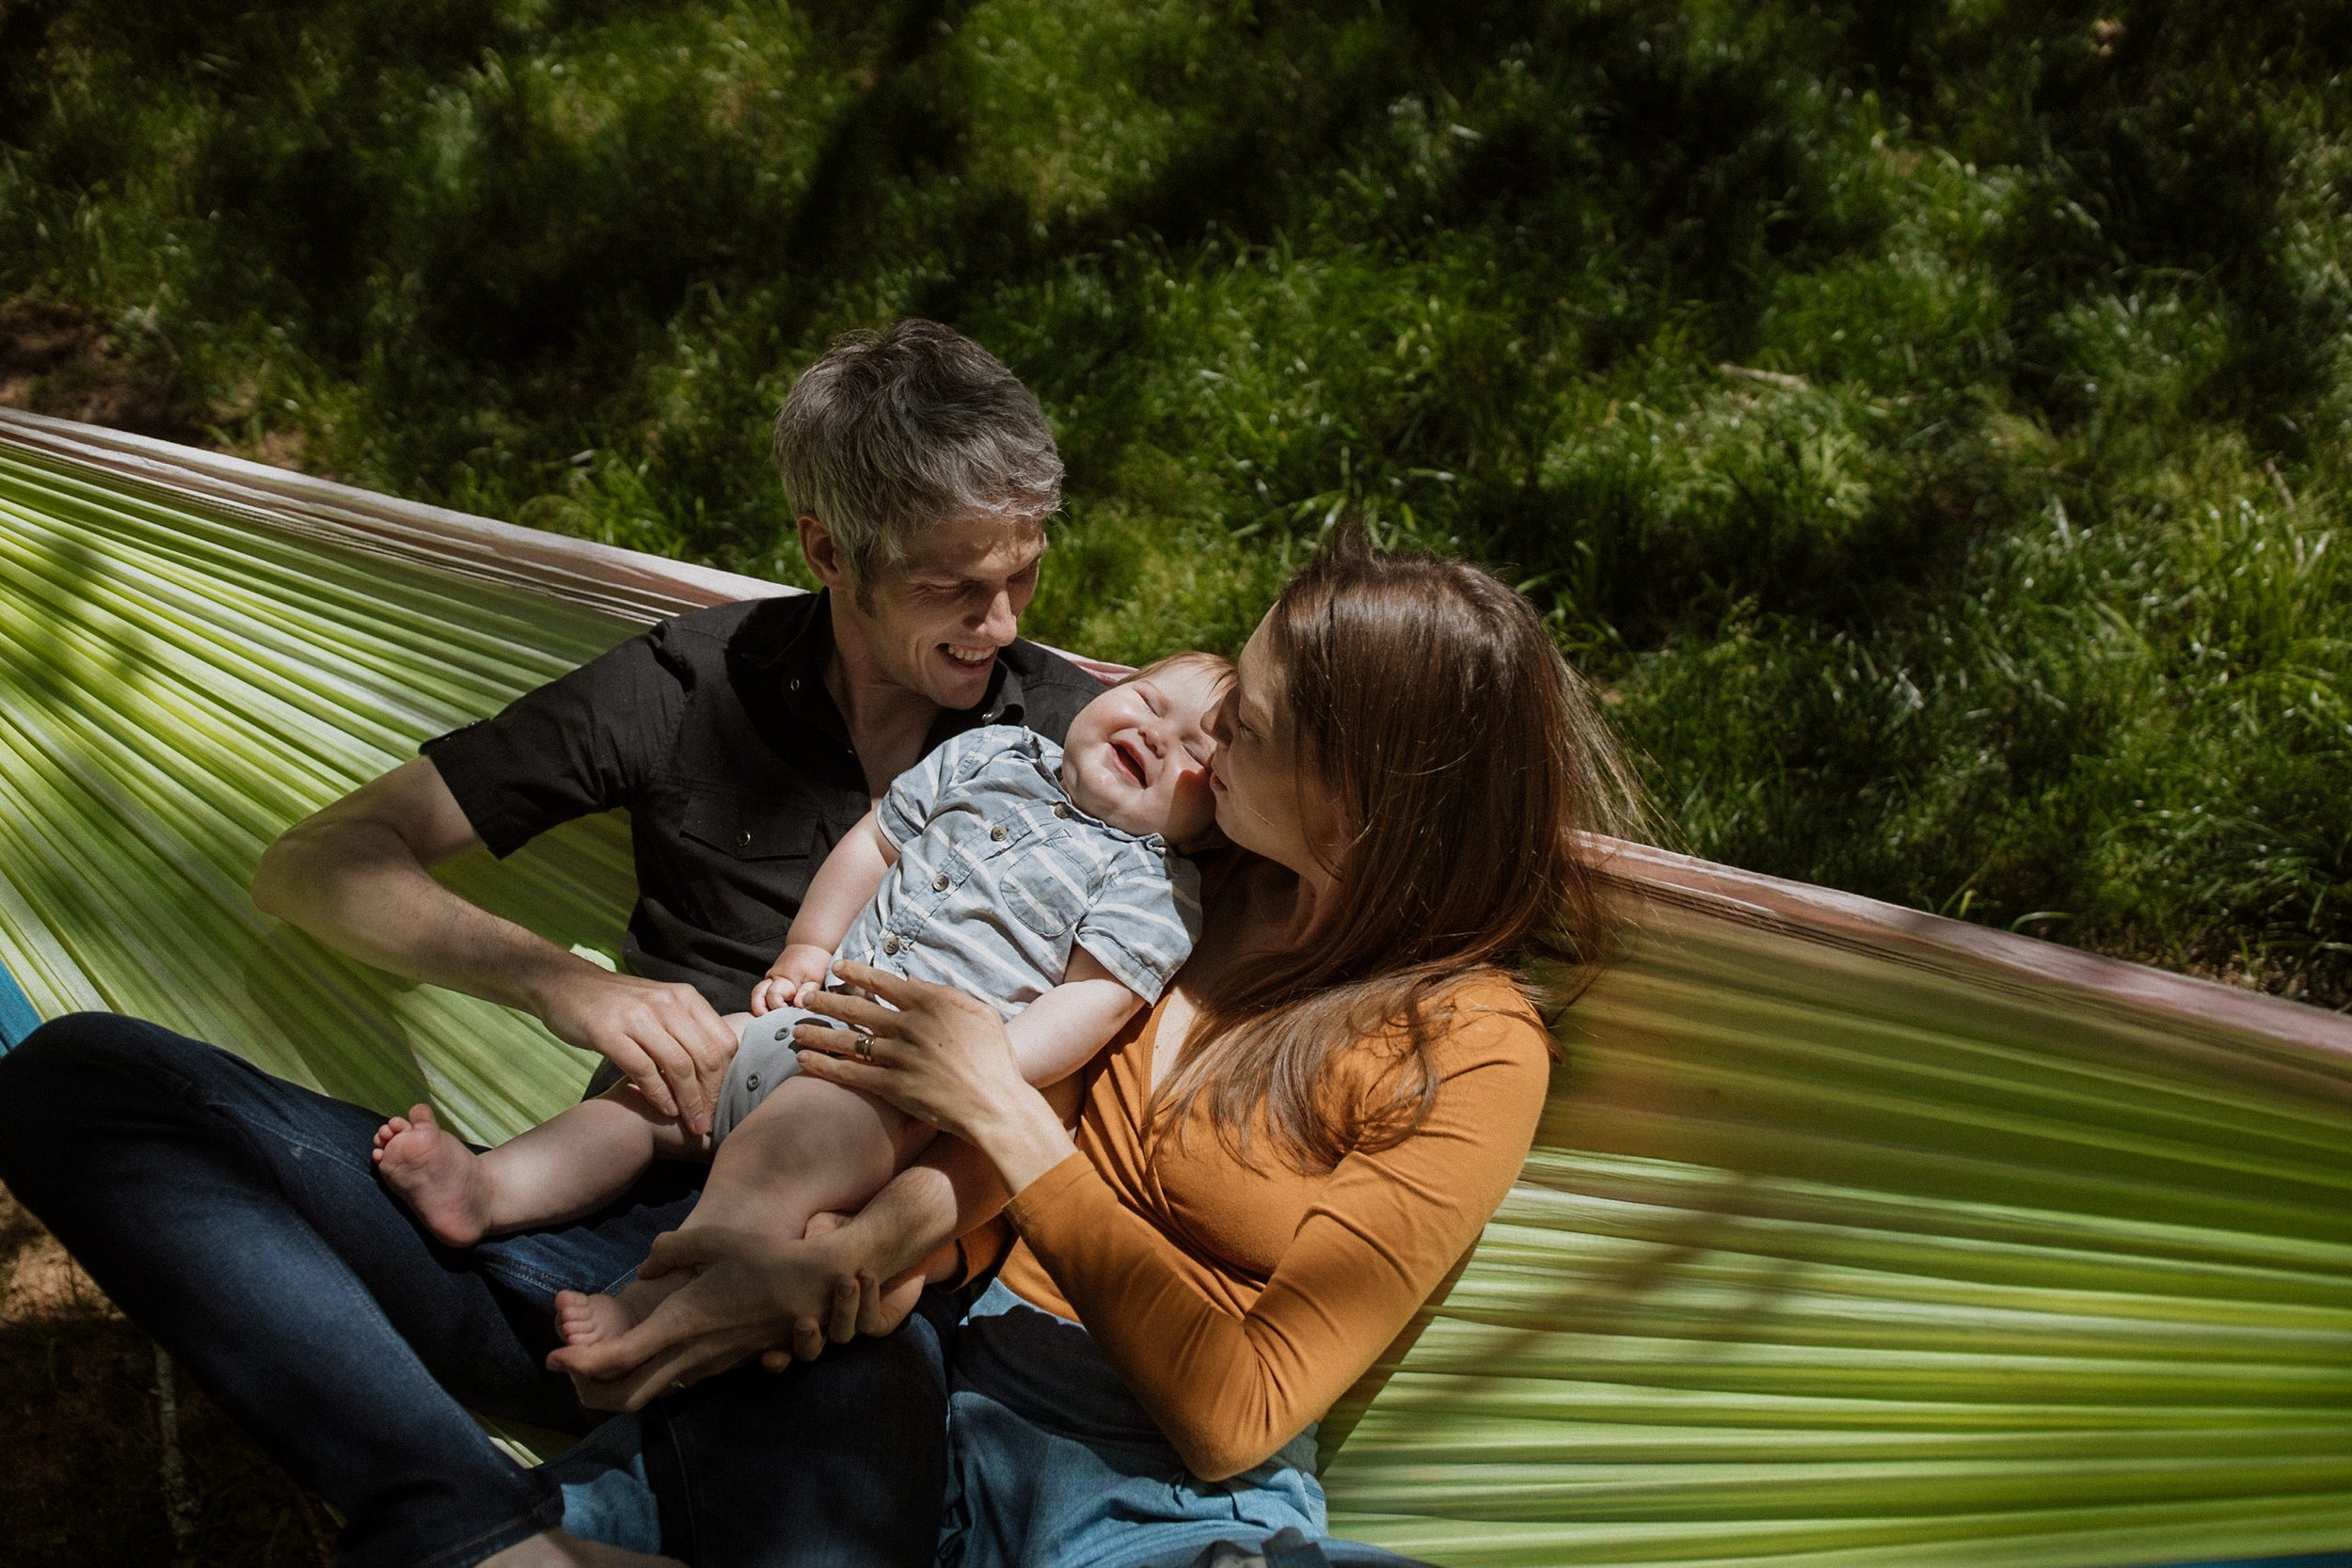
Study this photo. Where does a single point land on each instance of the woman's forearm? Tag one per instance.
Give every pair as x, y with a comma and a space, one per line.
1230, 1386
1021, 1136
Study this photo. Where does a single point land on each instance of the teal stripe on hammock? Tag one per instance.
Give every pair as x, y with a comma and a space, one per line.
17, 1018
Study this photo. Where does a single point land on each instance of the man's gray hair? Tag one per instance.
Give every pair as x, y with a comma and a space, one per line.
891, 432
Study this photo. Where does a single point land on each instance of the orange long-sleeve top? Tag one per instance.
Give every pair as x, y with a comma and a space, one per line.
1239, 1303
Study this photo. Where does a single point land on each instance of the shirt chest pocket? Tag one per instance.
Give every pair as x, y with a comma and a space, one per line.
1041, 890
752, 859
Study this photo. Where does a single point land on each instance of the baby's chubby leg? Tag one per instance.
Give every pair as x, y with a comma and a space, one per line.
808, 1148
571, 1165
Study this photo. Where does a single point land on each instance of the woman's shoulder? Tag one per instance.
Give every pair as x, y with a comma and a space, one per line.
1487, 1013
1482, 1024
1473, 1074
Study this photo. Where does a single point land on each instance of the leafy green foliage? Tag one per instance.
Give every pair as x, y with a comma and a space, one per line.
1929, 422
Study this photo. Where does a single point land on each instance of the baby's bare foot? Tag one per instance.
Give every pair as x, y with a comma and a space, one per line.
586, 1320
433, 1174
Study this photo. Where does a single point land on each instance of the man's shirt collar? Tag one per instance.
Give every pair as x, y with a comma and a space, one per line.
800, 650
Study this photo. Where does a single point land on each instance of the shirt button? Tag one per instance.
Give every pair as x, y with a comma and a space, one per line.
998, 832
1061, 808
743, 840
890, 944
939, 883
796, 686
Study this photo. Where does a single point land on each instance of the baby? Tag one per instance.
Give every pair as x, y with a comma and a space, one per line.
1038, 878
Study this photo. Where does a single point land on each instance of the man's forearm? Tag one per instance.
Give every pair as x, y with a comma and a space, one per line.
358, 887
949, 1192
357, 876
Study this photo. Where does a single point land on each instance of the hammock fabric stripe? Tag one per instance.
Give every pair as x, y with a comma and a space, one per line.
17, 1017
1851, 1237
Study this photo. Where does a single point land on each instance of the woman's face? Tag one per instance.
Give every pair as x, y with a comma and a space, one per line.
1266, 800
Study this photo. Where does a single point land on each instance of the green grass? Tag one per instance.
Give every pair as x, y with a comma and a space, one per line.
1930, 422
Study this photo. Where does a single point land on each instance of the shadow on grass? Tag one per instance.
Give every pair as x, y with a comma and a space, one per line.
80, 1400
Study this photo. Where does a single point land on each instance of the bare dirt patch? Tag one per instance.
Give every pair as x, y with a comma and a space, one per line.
80, 1402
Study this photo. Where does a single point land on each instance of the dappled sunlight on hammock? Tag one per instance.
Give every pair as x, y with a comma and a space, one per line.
1852, 1236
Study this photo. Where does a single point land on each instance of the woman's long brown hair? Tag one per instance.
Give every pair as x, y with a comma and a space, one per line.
1463, 761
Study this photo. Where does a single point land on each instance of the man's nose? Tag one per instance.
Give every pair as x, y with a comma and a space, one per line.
1002, 623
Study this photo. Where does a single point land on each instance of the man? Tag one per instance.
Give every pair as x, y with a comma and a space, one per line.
743, 740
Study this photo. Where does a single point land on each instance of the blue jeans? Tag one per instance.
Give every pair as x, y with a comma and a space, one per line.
237, 1219
1052, 1463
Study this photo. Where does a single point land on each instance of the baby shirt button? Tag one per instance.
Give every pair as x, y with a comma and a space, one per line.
1061, 808
998, 832
890, 944
939, 883
750, 1082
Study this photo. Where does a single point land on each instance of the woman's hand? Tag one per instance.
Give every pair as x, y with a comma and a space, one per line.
943, 1058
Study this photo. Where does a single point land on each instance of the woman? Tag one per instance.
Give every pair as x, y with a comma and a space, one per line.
1280, 1162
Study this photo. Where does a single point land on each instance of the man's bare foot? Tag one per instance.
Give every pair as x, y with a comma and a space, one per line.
555, 1549
433, 1174
584, 1318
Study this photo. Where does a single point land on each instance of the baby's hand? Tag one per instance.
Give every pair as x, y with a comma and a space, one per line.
799, 971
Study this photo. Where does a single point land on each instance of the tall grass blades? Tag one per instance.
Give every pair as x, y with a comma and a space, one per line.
1929, 422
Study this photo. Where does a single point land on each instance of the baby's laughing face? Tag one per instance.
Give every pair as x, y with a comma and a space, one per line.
1138, 756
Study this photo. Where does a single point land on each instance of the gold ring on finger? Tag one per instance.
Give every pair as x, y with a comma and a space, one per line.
865, 1048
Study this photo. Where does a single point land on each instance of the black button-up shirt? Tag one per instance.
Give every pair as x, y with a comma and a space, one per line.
715, 732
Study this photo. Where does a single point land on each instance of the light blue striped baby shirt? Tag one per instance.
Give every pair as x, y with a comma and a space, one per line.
999, 875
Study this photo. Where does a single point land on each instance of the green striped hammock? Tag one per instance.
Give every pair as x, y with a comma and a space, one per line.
1853, 1236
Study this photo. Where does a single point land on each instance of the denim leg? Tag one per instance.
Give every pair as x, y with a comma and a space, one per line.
238, 1219
837, 1462
1290, 1548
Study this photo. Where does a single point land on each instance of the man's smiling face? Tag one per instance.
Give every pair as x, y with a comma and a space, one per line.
935, 622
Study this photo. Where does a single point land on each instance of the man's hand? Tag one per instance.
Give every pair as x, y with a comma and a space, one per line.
667, 1040
799, 971
752, 1293
883, 1304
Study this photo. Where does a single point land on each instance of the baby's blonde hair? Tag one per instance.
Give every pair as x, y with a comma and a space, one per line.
1217, 664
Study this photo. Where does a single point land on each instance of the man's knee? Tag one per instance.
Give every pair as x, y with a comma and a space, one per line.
80, 1063
81, 1045
839, 1461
